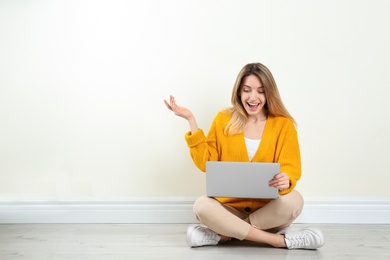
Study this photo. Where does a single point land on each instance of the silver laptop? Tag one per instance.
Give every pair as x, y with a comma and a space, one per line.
241, 179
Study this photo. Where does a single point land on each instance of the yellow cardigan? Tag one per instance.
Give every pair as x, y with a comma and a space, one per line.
279, 143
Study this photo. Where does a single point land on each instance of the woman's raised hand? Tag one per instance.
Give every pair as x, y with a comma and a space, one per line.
178, 110
182, 112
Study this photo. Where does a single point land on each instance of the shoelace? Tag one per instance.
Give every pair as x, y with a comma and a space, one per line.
299, 240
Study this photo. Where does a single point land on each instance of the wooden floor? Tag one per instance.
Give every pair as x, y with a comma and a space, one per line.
167, 241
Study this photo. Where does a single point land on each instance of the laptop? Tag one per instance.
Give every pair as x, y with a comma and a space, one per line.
241, 179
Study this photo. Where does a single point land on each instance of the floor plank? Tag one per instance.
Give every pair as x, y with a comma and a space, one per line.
167, 241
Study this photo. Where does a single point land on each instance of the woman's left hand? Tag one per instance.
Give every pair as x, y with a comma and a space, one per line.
281, 181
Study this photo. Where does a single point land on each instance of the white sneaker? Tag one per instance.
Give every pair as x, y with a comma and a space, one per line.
307, 238
200, 235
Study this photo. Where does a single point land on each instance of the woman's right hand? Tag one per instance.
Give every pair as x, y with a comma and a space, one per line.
182, 112
178, 110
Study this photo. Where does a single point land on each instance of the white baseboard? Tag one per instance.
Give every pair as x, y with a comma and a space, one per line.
346, 211
172, 210
179, 210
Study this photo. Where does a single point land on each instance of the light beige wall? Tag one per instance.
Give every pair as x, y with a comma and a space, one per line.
82, 86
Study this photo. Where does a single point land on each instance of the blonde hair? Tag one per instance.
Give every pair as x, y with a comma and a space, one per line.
273, 106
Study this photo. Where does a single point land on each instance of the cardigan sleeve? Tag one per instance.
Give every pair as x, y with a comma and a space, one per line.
289, 156
202, 148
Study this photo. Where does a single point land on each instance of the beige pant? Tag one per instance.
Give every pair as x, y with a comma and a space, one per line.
228, 221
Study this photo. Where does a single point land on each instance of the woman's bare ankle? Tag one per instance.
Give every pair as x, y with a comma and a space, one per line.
224, 239
281, 242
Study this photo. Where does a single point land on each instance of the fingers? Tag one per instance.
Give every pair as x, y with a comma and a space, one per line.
281, 181
168, 106
172, 104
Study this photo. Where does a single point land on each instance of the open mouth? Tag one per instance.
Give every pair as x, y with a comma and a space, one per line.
253, 106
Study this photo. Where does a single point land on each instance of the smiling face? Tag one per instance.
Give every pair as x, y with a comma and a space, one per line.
253, 96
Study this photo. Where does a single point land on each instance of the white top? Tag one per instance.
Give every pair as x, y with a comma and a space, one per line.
251, 146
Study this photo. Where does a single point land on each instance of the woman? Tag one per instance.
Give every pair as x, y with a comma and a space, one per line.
258, 128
